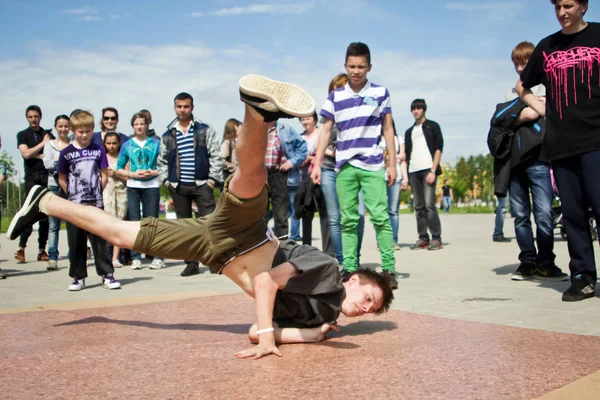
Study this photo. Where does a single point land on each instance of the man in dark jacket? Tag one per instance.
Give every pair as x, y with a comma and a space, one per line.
424, 144
530, 173
190, 164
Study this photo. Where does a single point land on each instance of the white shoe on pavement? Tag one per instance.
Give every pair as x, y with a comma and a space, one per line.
77, 285
136, 264
109, 282
157, 264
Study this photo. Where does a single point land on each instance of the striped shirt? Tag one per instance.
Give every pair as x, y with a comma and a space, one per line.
274, 157
185, 148
358, 117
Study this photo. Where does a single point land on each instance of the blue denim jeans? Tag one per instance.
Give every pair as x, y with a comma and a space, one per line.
150, 199
577, 180
53, 230
500, 214
295, 224
393, 193
534, 178
446, 202
328, 187
328, 179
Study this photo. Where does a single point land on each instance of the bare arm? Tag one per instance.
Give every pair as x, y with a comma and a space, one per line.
33, 152
266, 285
62, 181
530, 99
388, 134
296, 335
323, 142
526, 115
104, 177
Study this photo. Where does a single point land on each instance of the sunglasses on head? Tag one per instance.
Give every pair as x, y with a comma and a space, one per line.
109, 118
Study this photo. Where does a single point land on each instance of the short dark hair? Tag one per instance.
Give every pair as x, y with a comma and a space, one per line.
34, 108
358, 49
314, 116
109, 135
140, 115
382, 282
112, 134
580, 2
418, 103
62, 116
183, 96
148, 114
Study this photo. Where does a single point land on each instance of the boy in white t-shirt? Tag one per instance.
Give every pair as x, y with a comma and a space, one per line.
424, 144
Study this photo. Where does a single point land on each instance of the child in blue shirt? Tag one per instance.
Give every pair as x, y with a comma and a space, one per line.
82, 174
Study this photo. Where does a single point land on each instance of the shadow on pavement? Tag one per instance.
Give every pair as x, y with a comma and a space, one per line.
363, 328
19, 272
559, 286
230, 328
506, 269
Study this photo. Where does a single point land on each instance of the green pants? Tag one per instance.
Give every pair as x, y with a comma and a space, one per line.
350, 181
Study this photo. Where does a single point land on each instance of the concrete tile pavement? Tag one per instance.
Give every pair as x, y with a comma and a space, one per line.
467, 280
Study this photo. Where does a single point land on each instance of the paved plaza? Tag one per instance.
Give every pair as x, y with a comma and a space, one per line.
459, 328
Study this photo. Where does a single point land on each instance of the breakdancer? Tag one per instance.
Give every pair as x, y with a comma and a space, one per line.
298, 290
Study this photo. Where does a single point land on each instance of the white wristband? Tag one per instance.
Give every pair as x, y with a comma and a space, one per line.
266, 330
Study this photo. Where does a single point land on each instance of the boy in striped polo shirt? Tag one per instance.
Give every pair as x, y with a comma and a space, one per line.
360, 109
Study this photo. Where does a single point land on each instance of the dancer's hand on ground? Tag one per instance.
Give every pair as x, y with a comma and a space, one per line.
315, 175
259, 351
326, 328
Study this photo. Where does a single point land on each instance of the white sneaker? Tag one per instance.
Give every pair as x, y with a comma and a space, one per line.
77, 285
52, 265
109, 282
157, 264
136, 264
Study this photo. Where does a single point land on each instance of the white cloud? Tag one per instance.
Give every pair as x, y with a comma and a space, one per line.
289, 8
113, 17
461, 92
89, 18
80, 11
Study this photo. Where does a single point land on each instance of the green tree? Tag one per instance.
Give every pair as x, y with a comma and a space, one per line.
9, 190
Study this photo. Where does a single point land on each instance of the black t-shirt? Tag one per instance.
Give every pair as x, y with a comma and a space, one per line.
32, 138
569, 68
315, 295
446, 190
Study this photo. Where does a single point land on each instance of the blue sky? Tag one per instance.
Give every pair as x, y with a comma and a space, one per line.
139, 54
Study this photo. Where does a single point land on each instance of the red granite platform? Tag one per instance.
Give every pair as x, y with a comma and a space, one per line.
184, 349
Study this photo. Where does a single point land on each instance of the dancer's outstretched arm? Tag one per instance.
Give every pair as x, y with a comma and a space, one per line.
266, 285
296, 335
